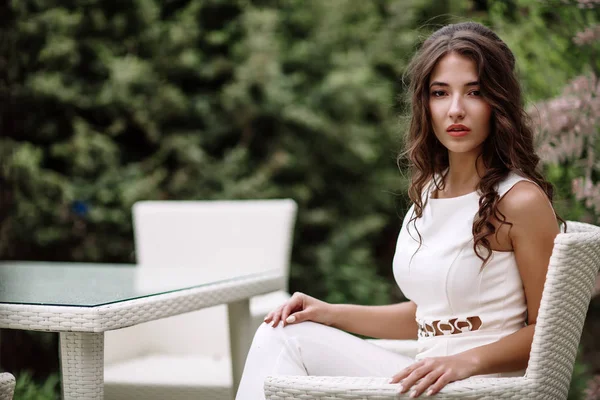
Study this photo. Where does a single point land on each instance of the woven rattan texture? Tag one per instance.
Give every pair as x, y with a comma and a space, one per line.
352, 388
82, 363
133, 312
7, 386
571, 275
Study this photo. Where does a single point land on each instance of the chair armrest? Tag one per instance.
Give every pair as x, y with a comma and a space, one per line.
7, 386
363, 388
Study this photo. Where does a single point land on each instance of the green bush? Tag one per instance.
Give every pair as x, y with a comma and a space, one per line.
27, 389
110, 103
580, 380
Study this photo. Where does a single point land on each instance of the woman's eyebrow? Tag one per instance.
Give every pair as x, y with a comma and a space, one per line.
438, 83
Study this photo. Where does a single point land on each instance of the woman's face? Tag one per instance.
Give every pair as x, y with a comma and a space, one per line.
459, 115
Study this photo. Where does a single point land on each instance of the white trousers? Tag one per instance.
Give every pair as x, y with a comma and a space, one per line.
309, 348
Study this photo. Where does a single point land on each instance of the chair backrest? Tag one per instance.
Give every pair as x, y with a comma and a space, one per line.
566, 297
244, 236
248, 235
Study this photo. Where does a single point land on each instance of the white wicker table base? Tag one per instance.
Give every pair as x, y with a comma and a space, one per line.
82, 355
82, 364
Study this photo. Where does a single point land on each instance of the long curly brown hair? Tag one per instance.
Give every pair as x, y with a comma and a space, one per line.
509, 145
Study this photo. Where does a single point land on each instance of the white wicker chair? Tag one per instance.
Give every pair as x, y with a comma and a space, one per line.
188, 356
7, 386
571, 275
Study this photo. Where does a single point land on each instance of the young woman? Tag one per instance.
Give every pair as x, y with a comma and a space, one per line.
473, 250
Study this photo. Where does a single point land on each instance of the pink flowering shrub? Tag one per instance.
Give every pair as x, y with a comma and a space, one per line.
585, 3
588, 36
567, 130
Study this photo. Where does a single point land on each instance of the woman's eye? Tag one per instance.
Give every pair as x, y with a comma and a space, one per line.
475, 93
437, 93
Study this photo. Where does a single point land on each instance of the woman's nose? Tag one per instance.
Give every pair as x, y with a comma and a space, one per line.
457, 109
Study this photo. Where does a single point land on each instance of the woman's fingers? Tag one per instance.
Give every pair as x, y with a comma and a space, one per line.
430, 375
269, 317
294, 304
287, 310
425, 383
276, 317
442, 381
405, 372
412, 378
300, 316
285, 313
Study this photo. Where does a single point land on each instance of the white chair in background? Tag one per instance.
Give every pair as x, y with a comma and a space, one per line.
187, 356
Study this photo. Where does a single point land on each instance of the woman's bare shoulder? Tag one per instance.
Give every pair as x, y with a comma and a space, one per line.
527, 207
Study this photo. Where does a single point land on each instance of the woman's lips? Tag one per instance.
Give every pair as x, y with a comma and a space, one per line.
458, 133
457, 130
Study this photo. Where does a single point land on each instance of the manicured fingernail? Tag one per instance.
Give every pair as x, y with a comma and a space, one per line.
429, 393
291, 319
413, 394
400, 388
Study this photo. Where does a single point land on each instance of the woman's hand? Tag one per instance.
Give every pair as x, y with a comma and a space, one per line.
433, 373
301, 307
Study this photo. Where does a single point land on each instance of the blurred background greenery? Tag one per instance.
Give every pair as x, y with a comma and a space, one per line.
106, 103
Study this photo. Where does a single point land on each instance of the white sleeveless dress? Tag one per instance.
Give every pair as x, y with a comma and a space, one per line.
445, 279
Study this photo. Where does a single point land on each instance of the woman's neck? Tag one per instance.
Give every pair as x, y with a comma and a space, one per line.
464, 173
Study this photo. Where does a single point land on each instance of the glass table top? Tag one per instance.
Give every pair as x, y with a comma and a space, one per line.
91, 284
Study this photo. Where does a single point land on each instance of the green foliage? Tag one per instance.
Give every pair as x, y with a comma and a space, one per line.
566, 205
580, 380
114, 102
540, 34
27, 389
111, 103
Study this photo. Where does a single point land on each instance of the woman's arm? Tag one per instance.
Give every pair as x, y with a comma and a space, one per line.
394, 321
532, 237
